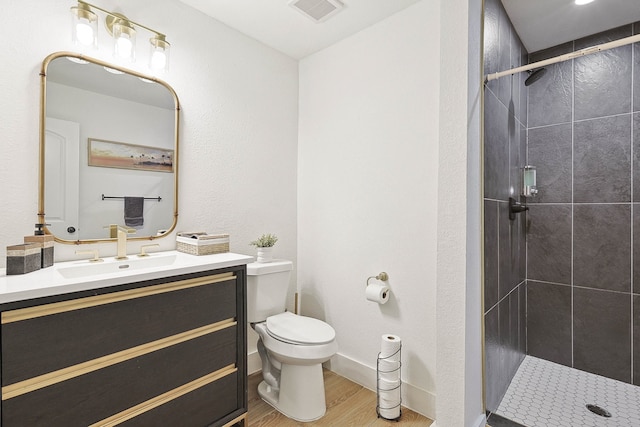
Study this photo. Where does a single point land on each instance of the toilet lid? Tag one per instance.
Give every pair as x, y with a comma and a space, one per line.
292, 328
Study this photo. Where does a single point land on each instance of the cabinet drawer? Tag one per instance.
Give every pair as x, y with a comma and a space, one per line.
214, 401
38, 340
96, 395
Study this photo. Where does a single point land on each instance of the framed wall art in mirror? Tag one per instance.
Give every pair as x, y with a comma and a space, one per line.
87, 107
111, 154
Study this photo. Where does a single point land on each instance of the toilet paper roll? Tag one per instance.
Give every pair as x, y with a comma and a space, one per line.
390, 414
377, 292
390, 347
386, 365
388, 370
388, 384
389, 399
388, 376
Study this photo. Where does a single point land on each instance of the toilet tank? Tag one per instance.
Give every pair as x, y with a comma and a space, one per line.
267, 288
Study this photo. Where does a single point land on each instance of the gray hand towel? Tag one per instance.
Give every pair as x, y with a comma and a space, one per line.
133, 211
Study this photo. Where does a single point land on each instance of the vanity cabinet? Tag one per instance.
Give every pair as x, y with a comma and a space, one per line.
162, 352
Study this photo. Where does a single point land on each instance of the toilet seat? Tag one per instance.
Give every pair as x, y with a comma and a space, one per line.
301, 330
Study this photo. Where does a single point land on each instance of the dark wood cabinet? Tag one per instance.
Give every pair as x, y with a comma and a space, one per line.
159, 352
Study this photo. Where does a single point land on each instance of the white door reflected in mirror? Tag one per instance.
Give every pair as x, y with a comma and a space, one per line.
62, 141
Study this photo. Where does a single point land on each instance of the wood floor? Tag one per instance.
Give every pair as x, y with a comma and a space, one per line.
348, 405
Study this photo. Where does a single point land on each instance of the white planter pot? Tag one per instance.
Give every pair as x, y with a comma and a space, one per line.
265, 254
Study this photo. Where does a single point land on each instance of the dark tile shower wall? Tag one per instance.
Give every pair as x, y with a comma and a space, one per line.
583, 229
504, 240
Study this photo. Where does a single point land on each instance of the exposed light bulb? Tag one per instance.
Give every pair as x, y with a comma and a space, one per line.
84, 33
158, 60
124, 47
124, 40
84, 26
159, 54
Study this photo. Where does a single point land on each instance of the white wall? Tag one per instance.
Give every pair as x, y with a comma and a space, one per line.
238, 152
367, 194
239, 170
459, 316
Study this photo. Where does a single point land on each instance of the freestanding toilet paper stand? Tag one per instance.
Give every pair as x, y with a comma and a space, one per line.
383, 407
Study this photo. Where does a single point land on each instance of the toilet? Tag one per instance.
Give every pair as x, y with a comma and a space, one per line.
292, 348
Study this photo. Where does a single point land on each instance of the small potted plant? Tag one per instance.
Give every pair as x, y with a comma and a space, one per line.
265, 245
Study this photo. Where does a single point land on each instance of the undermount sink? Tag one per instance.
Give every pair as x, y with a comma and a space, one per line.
112, 265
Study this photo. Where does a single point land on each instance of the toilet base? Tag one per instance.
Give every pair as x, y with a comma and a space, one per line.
301, 395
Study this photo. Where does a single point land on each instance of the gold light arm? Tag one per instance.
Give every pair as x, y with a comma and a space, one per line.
117, 16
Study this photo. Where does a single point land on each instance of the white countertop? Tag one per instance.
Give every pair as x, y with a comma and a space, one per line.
50, 281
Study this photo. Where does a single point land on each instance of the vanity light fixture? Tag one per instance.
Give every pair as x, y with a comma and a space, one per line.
124, 37
159, 54
123, 31
84, 26
581, 2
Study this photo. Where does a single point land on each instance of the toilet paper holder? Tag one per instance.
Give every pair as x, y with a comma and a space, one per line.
382, 277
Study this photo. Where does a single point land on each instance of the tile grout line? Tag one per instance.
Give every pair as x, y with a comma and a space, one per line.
498, 269
526, 240
582, 203
573, 105
589, 288
504, 298
571, 122
632, 200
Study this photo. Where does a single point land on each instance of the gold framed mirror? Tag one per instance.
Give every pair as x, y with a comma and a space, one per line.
108, 151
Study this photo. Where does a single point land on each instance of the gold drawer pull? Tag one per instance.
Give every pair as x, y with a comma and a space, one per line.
70, 372
77, 304
165, 398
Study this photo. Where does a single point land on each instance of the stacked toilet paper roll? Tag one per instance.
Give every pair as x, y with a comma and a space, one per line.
389, 377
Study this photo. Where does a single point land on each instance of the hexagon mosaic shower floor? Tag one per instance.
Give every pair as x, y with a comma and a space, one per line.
546, 394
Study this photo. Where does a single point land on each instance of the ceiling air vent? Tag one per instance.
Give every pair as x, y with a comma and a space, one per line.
317, 10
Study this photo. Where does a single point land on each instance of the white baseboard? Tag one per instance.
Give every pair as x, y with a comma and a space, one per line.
481, 422
254, 364
414, 398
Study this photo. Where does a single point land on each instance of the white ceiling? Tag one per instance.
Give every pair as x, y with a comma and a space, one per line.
545, 23
539, 23
282, 27
94, 78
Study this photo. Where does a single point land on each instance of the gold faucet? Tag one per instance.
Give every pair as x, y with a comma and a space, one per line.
120, 233
143, 248
94, 252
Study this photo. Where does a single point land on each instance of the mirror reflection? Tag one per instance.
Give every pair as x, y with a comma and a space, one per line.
109, 153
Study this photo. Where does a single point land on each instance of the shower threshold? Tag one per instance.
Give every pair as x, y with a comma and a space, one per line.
546, 394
